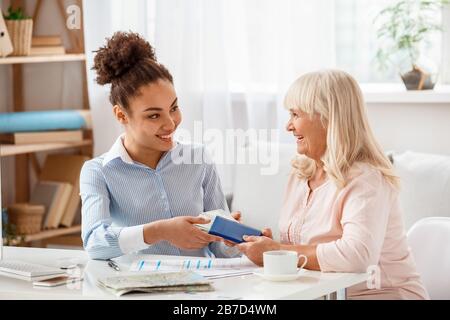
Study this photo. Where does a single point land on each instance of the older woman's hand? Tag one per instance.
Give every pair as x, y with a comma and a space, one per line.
267, 232
254, 247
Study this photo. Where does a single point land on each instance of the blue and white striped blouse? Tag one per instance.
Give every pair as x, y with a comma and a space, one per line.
120, 195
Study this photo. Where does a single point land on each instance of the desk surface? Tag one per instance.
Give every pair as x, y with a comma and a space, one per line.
311, 285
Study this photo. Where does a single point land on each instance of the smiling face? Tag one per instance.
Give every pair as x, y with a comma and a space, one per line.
152, 116
309, 132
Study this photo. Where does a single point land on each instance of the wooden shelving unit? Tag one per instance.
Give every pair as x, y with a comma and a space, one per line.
12, 150
25, 154
52, 233
43, 235
44, 59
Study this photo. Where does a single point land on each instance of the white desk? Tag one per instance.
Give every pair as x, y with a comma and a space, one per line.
311, 285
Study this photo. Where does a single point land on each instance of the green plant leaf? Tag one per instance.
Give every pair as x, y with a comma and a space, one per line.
401, 28
17, 14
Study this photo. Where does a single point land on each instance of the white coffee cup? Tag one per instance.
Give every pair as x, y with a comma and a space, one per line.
282, 262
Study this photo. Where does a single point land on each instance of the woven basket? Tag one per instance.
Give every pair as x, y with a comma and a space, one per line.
26, 217
21, 34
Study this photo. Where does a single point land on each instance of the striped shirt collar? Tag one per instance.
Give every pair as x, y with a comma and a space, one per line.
118, 151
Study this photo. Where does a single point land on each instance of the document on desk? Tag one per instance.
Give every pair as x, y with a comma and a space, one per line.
211, 268
185, 281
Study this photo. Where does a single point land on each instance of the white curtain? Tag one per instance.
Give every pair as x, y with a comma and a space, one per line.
232, 60
225, 52
101, 19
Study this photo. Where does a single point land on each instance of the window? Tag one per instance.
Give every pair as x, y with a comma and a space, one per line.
268, 43
356, 42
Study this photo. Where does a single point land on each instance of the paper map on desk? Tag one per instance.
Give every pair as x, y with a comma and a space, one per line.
186, 281
207, 267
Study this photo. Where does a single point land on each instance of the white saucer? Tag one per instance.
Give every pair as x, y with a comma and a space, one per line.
277, 277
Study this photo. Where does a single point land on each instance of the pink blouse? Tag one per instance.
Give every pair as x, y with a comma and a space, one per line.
356, 229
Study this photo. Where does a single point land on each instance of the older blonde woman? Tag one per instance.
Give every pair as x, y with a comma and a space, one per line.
341, 206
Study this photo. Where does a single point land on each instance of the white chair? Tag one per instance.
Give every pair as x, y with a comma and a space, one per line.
429, 239
425, 186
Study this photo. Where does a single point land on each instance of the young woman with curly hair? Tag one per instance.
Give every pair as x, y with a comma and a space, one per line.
136, 197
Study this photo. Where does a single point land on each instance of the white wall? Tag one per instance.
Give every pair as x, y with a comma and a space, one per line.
421, 127
417, 127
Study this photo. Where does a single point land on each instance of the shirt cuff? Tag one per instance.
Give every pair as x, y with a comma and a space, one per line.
131, 239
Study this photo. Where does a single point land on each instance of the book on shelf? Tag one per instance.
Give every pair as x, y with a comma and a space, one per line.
40, 41
21, 138
47, 50
55, 197
65, 168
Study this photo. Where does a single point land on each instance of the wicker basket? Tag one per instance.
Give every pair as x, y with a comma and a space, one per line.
26, 217
21, 34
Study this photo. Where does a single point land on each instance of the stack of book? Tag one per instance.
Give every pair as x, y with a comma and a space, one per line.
21, 138
55, 197
50, 126
47, 45
58, 189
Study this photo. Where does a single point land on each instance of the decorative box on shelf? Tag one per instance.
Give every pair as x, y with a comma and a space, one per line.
26, 217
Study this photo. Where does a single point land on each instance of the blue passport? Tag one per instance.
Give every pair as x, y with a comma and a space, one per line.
231, 230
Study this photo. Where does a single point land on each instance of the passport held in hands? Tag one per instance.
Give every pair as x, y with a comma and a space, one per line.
225, 226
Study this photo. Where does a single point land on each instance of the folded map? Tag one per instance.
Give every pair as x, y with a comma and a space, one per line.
156, 282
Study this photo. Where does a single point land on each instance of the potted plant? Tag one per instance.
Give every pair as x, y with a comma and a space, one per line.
20, 29
403, 30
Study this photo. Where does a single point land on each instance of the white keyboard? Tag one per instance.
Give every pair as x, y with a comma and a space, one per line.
27, 269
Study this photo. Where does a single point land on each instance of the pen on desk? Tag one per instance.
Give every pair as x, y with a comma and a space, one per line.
113, 265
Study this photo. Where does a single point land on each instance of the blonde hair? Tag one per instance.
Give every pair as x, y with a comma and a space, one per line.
337, 98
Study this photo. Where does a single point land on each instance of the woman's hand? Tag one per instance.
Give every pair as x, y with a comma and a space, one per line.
237, 215
254, 247
182, 233
267, 232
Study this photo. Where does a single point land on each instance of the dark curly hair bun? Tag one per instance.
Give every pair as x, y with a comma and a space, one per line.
123, 51
127, 62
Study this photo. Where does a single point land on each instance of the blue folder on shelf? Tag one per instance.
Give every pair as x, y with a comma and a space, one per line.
231, 230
